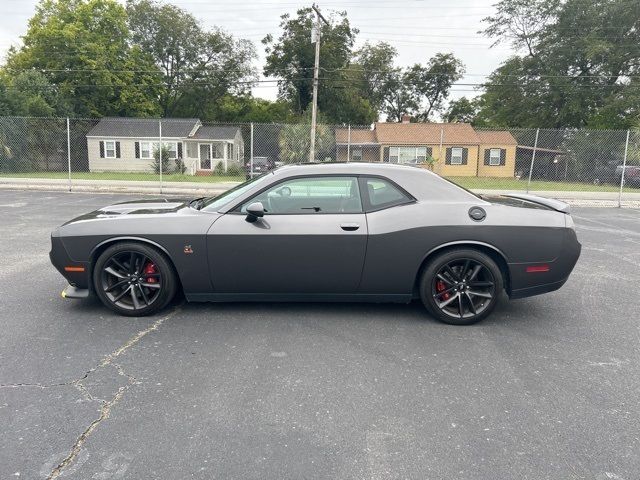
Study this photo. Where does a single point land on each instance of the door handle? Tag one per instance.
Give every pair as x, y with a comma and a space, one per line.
349, 227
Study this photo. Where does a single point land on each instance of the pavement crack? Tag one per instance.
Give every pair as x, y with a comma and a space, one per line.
107, 406
36, 385
105, 412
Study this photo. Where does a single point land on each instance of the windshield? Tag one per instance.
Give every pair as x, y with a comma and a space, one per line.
214, 203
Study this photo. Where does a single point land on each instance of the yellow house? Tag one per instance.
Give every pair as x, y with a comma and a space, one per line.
497, 153
450, 149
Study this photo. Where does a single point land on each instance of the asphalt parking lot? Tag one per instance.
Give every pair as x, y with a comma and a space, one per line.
546, 388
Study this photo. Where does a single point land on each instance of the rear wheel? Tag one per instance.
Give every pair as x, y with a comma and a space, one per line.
461, 286
133, 279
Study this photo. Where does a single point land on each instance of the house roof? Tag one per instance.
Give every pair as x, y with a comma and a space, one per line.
216, 132
426, 133
496, 137
143, 127
356, 137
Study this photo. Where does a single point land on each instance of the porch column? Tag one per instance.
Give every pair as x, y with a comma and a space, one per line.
224, 158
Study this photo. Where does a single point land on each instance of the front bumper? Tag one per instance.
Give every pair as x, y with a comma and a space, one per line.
78, 274
75, 292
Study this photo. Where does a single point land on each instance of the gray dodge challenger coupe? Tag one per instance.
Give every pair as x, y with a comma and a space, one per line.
323, 232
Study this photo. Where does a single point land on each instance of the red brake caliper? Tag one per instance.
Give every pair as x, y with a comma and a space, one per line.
441, 287
149, 269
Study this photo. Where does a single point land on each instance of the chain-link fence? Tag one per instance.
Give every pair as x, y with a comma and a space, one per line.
163, 155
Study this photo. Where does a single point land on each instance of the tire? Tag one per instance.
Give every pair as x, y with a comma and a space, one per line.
461, 286
134, 279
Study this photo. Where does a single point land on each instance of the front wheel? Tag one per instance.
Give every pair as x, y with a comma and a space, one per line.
133, 279
461, 286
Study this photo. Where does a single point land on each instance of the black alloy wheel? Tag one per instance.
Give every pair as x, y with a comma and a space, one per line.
461, 287
133, 279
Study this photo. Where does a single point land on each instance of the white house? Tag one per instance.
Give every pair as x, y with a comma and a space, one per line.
128, 144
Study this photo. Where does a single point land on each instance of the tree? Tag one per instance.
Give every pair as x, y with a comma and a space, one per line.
246, 108
82, 47
419, 90
461, 110
432, 83
398, 97
295, 143
29, 94
376, 65
291, 58
521, 22
579, 70
198, 67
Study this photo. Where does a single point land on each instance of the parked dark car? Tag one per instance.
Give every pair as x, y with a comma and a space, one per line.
606, 174
329, 232
258, 166
631, 175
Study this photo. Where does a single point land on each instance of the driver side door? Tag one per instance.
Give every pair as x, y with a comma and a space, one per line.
311, 240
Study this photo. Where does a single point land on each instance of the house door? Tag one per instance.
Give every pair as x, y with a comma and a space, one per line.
205, 156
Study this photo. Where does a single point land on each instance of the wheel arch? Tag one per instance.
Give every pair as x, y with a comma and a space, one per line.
495, 253
102, 246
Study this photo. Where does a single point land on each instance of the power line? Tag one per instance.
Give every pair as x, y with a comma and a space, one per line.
275, 82
354, 68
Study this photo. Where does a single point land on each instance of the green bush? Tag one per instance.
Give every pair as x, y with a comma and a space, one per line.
234, 170
219, 169
180, 166
166, 162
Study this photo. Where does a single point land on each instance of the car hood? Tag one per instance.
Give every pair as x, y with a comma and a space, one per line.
156, 206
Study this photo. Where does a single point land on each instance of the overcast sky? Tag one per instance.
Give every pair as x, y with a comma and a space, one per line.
417, 28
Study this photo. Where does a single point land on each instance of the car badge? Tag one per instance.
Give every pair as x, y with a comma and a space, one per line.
188, 250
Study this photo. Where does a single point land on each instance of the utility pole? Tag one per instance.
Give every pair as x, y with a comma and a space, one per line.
316, 68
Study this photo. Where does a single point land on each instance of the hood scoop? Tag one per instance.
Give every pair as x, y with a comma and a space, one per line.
141, 207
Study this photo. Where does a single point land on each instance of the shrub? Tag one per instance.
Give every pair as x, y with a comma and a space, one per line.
166, 162
219, 169
235, 170
180, 166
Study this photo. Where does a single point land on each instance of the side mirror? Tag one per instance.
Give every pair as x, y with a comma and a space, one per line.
254, 212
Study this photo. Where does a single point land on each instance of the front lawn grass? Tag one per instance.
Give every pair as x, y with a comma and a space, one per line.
495, 183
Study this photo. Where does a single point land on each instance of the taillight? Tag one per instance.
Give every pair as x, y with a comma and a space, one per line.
537, 268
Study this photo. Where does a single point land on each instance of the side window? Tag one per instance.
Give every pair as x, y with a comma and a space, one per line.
494, 156
310, 195
383, 194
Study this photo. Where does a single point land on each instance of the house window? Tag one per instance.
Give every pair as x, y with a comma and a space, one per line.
494, 156
356, 154
172, 149
456, 156
148, 149
410, 155
218, 150
110, 149
192, 150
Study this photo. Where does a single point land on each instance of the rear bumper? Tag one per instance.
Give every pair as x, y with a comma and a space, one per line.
527, 284
537, 290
